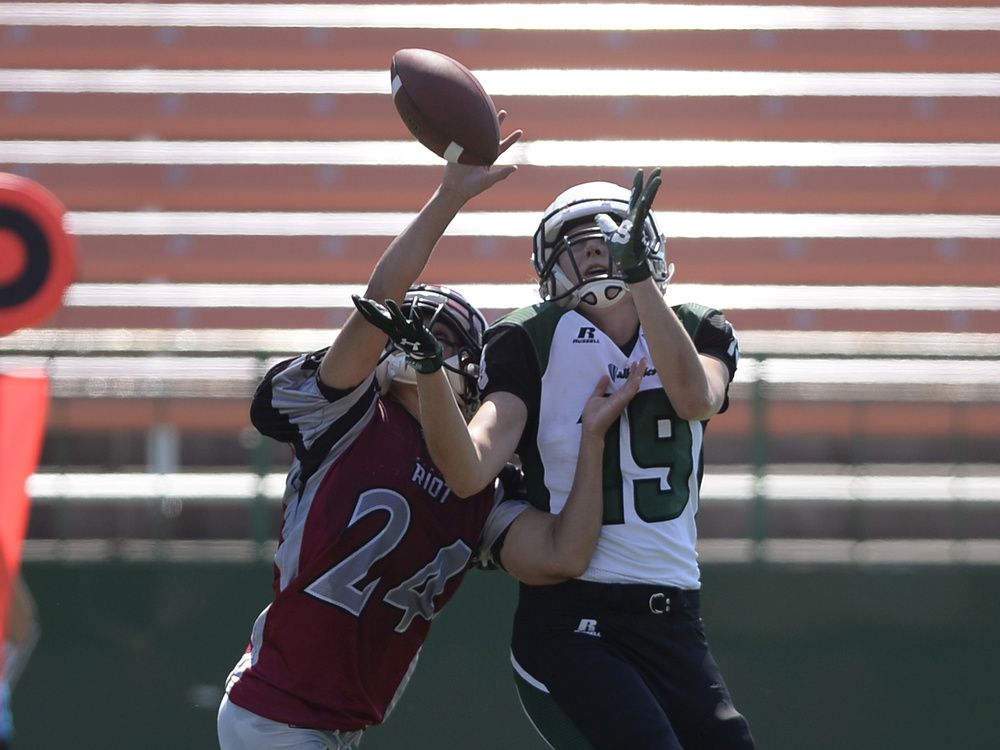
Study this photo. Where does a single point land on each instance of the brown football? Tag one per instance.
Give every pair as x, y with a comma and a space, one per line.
444, 106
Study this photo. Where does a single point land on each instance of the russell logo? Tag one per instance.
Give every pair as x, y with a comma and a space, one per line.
586, 335
588, 627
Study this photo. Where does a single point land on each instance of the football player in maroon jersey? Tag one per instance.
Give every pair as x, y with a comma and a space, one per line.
373, 542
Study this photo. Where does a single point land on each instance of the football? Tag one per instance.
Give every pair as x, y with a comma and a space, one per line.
444, 106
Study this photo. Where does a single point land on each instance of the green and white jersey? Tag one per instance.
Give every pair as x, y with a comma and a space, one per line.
552, 358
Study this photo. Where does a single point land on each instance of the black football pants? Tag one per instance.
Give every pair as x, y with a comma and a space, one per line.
621, 667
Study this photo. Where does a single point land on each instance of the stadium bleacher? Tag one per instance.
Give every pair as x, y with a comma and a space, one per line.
232, 171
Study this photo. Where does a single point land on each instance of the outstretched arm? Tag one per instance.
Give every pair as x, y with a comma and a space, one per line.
542, 548
469, 456
356, 349
696, 384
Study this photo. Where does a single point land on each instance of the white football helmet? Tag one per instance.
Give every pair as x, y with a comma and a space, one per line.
568, 220
439, 304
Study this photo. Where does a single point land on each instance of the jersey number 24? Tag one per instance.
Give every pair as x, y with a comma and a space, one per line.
341, 584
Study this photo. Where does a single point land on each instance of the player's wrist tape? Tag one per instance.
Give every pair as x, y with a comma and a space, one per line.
640, 272
425, 366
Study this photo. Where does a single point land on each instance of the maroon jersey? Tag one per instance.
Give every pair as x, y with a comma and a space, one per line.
373, 545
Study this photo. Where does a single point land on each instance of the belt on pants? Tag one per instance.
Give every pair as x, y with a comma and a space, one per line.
637, 598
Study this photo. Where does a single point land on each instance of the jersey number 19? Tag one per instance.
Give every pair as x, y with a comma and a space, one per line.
660, 447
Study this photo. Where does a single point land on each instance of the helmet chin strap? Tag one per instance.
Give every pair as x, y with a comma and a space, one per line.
597, 294
602, 293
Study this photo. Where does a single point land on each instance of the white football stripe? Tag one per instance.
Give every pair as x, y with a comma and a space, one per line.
453, 152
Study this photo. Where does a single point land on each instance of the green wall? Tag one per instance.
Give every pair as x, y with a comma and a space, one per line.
133, 655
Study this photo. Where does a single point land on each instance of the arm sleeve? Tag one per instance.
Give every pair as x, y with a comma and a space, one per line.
715, 337
510, 364
292, 405
510, 503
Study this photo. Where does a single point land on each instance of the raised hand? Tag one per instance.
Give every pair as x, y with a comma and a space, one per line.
602, 409
469, 180
626, 241
423, 351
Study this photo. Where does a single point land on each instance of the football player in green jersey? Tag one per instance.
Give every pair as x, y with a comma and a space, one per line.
616, 657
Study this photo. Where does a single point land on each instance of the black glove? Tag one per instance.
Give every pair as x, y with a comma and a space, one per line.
423, 351
626, 241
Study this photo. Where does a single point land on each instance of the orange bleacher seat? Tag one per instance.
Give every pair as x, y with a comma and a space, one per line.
291, 187
370, 116
366, 49
348, 260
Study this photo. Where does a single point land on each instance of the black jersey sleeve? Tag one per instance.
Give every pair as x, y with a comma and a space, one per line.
715, 337
510, 364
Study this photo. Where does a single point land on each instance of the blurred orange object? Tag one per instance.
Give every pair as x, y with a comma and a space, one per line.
37, 253
23, 406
